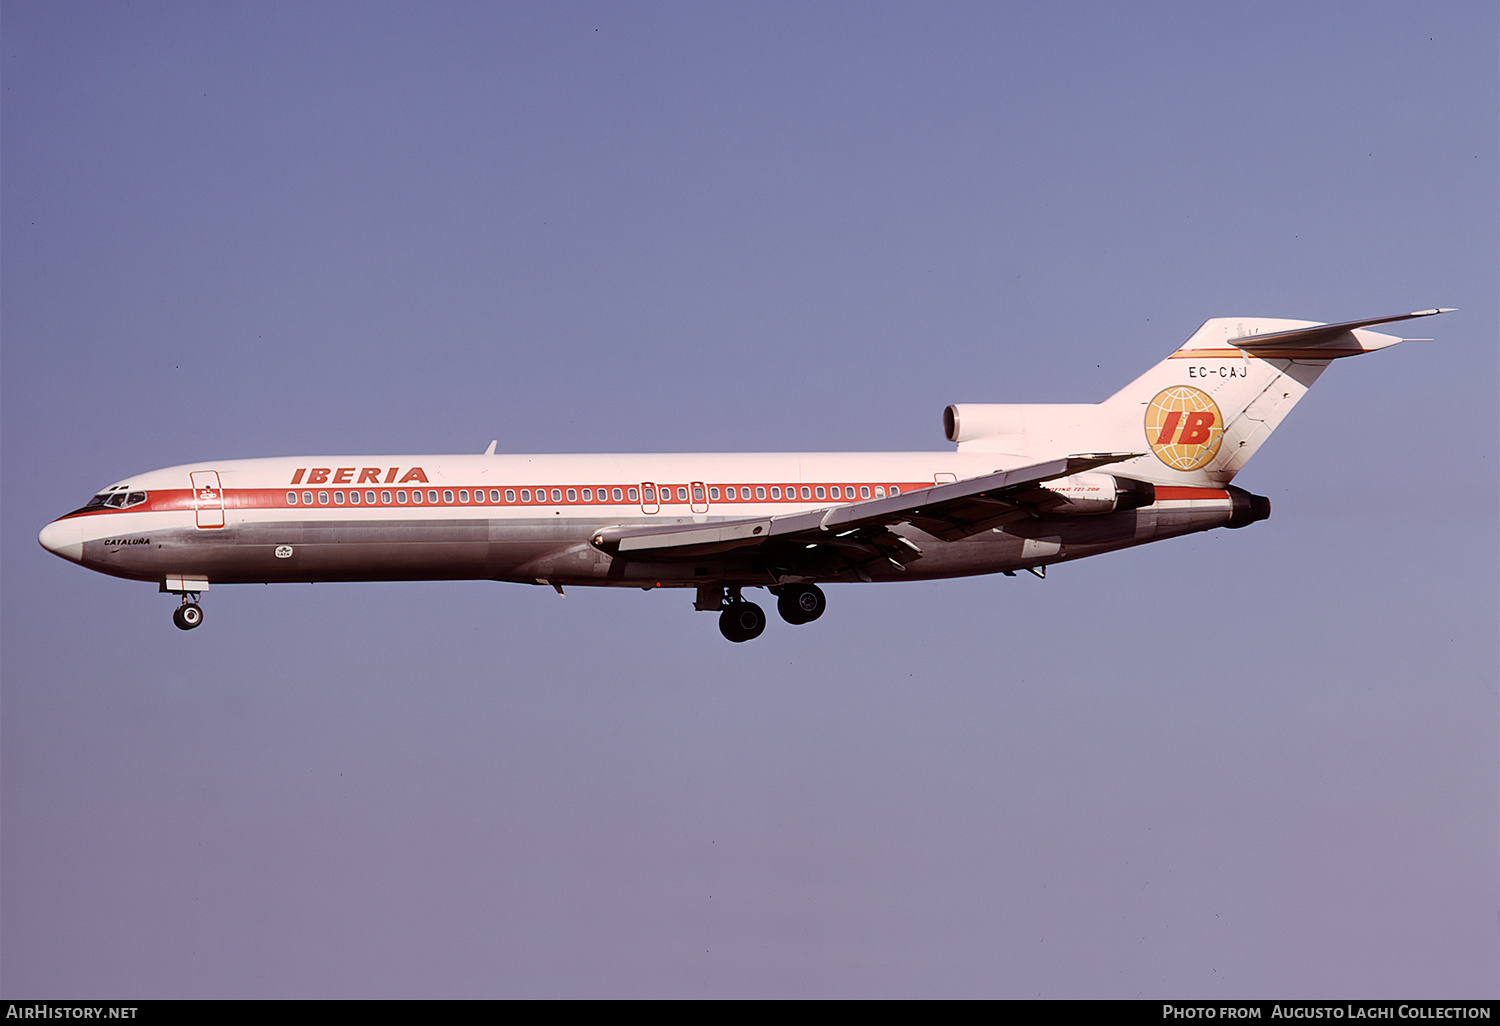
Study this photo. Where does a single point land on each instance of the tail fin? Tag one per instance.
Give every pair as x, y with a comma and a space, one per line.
1201, 413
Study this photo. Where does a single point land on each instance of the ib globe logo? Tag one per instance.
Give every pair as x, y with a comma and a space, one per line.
1183, 427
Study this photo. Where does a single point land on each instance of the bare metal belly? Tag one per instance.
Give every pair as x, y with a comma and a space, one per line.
559, 552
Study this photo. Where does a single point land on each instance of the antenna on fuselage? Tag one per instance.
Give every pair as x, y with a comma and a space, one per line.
491, 450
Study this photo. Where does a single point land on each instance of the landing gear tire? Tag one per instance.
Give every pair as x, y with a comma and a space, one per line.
187, 616
741, 621
801, 603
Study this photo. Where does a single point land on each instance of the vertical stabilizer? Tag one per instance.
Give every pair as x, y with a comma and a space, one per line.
1200, 414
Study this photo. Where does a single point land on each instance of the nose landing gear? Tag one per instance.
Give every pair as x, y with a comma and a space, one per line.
188, 615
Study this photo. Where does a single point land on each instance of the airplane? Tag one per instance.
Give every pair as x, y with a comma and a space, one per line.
1026, 486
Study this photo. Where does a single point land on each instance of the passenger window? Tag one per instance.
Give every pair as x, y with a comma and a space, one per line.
729, 493
386, 497
510, 495
354, 498
775, 492
864, 491
322, 498
650, 494
447, 495
820, 491
834, 491
807, 492
556, 495
631, 492
895, 490
588, 495
525, 494
432, 495
879, 492
307, 498
338, 498
291, 498
681, 494
616, 495
760, 491
463, 495
572, 495
713, 493
495, 495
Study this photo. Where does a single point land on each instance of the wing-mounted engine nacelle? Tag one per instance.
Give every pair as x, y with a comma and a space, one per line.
1089, 494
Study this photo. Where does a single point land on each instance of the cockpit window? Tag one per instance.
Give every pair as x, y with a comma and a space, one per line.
116, 498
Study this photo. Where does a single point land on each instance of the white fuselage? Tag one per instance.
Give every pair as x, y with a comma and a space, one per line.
530, 518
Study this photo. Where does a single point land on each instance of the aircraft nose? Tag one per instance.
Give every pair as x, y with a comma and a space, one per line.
64, 538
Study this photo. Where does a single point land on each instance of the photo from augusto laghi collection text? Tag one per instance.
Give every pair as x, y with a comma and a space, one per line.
1339, 1010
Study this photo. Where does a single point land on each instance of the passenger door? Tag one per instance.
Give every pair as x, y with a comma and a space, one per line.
208, 498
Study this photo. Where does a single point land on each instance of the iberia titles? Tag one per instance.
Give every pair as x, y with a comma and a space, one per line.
345, 475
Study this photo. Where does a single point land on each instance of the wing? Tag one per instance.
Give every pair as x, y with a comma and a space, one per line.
857, 532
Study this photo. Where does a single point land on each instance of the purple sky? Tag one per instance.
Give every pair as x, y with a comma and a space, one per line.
1247, 763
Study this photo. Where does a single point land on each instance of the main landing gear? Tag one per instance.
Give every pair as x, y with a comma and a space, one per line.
801, 603
740, 620
188, 615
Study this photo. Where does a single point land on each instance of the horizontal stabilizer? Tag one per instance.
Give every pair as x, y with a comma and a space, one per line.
1319, 334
